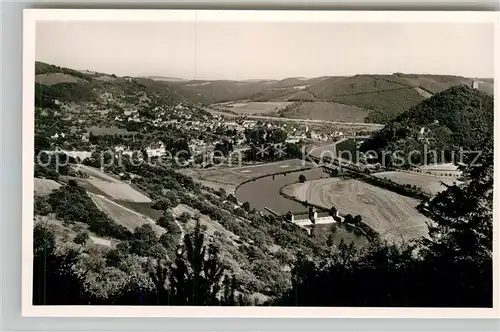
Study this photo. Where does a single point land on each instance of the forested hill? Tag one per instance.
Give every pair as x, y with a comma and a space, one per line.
70, 85
459, 117
382, 96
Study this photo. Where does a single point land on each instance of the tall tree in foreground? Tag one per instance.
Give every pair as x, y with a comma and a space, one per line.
197, 275
55, 278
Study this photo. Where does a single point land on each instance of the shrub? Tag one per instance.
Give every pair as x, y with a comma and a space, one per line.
42, 206
72, 204
246, 206
162, 204
81, 238
184, 217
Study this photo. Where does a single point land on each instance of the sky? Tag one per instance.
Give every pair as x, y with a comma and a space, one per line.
267, 50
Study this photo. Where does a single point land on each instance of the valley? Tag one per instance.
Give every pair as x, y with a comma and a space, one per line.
137, 173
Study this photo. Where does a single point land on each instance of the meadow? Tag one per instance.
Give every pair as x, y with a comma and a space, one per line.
394, 217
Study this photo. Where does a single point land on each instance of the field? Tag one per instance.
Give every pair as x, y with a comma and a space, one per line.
112, 187
122, 215
393, 216
44, 186
258, 107
228, 178
57, 78
326, 111
428, 183
119, 191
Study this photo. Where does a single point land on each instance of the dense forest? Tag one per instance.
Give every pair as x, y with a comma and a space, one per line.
457, 118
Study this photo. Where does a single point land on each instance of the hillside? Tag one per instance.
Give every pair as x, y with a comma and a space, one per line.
327, 111
459, 117
382, 96
63, 84
209, 92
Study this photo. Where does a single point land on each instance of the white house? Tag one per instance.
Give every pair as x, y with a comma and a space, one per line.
293, 139
156, 149
249, 124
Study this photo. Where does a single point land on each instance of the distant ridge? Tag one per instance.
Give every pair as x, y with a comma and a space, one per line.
165, 78
382, 96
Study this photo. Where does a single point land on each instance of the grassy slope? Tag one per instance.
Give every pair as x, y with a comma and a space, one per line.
428, 183
72, 85
44, 186
393, 216
122, 215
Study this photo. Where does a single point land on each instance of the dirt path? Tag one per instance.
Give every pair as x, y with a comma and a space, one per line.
423, 93
183, 233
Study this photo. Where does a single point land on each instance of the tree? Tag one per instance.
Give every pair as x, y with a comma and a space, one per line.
333, 211
167, 221
277, 136
197, 273
464, 214
42, 206
302, 178
42, 143
144, 241
246, 206
225, 147
356, 220
329, 241
56, 281
171, 196
81, 238
230, 286
293, 150
162, 204
184, 217
231, 198
222, 193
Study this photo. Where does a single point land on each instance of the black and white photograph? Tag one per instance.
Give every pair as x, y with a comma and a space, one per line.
273, 159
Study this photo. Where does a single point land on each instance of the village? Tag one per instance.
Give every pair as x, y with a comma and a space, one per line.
142, 131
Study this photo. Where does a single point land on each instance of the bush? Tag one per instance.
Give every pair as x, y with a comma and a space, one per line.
172, 197
246, 206
167, 221
72, 204
144, 241
184, 217
81, 238
232, 199
169, 242
302, 178
162, 204
42, 206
